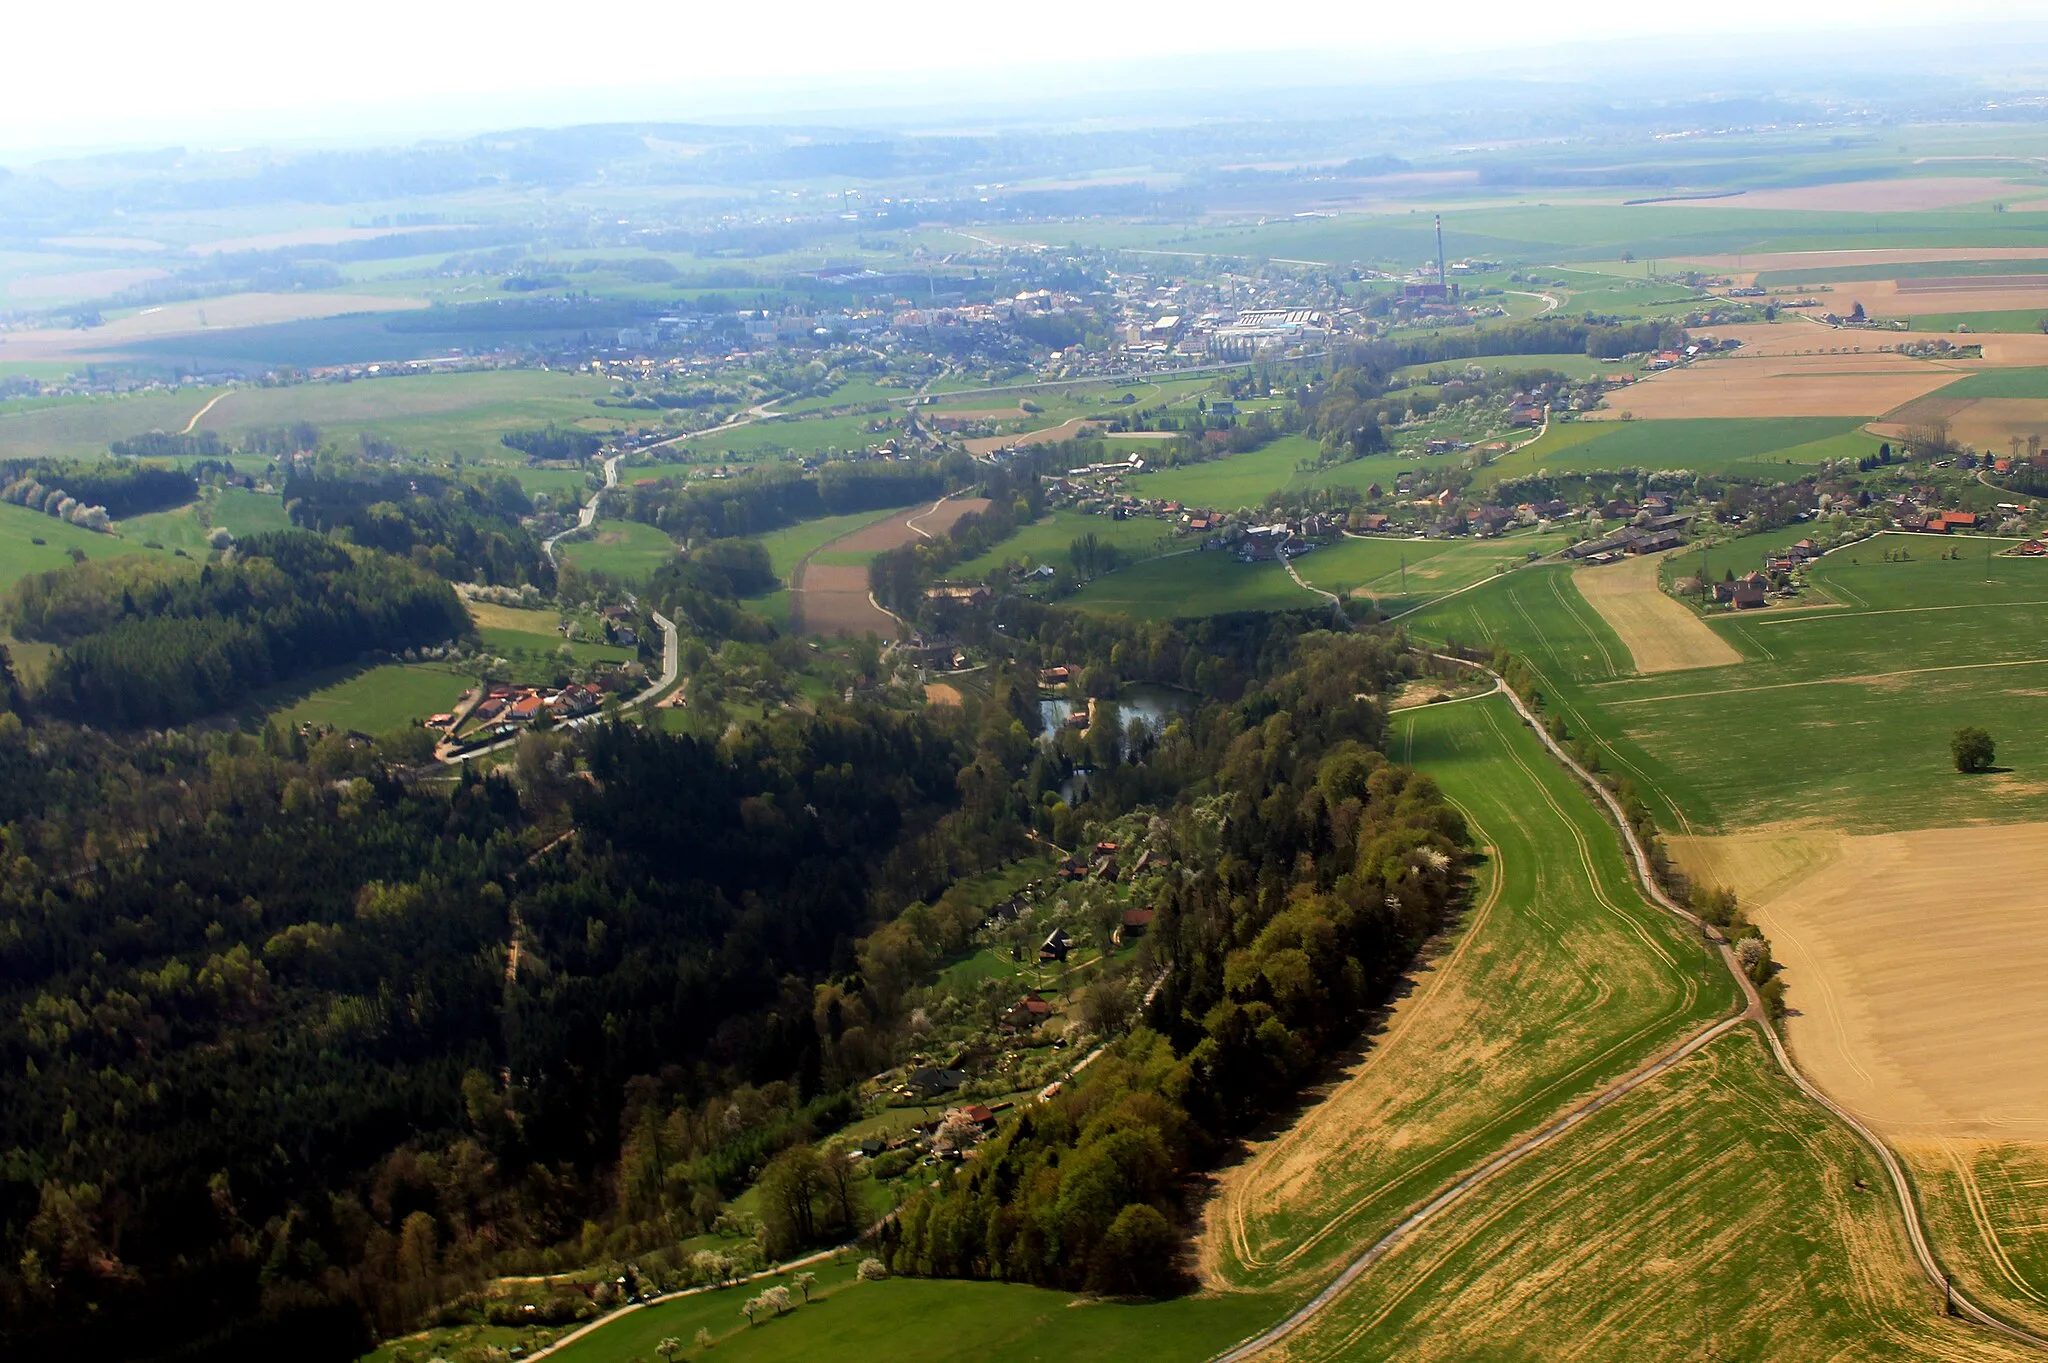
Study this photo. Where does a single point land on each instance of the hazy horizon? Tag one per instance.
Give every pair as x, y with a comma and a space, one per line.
463, 70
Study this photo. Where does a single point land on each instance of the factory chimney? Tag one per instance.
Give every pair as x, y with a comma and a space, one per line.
1443, 276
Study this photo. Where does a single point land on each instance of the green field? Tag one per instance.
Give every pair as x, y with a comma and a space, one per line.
788, 546
239, 510
2022, 320
441, 414
20, 555
1194, 583
1480, 1053
1572, 366
1859, 698
1563, 231
627, 550
1046, 541
372, 700
1705, 445
34, 428
2000, 383
1241, 480
971, 1322
1402, 573
1712, 1213
809, 435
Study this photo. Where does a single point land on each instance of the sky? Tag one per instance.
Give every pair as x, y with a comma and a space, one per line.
125, 73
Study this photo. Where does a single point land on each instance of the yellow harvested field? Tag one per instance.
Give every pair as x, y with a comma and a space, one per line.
1866, 196
1748, 385
489, 615
1659, 633
186, 318
1981, 423
1920, 297
941, 693
1834, 260
1914, 963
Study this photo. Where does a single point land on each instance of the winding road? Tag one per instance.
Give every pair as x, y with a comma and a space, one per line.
671, 648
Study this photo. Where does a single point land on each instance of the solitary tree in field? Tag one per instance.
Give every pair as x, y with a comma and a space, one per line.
669, 1348
1974, 750
805, 1282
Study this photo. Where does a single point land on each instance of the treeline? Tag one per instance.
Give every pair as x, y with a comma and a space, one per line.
770, 498
144, 643
266, 440
1352, 409
123, 490
1586, 335
552, 442
1016, 497
700, 590
463, 529
1312, 871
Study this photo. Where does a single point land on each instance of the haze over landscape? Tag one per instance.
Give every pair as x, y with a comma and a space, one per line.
1187, 684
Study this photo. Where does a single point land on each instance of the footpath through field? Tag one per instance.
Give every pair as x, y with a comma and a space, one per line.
1559, 983
1689, 1076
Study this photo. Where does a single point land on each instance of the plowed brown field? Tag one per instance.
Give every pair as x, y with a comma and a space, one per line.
1866, 385
1914, 962
830, 598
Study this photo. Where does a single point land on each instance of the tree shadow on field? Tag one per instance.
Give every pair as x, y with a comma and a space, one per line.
1342, 1061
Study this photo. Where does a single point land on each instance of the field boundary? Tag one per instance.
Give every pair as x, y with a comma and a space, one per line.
1909, 1205
1638, 857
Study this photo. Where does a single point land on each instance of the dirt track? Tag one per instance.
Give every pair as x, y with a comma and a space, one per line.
1066, 430
833, 598
1659, 633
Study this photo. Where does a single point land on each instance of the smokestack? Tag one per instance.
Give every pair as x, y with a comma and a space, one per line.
1443, 276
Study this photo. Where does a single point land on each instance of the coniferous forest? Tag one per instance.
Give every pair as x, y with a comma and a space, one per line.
267, 1076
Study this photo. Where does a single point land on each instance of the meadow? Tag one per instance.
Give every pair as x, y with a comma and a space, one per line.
1705, 445
238, 510
370, 700
1402, 573
1560, 978
790, 545
797, 435
629, 551
1712, 1213
1046, 541
1193, 583
2000, 383
2005, 322
83, 427
20, 555
1859, 698
967, 1322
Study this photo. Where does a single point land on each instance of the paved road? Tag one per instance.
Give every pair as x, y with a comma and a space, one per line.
586, 515
671, 650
